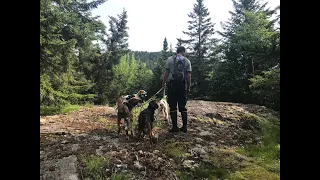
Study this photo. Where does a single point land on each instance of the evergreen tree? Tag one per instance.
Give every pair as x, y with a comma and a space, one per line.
117, 46
200, 32
66, 31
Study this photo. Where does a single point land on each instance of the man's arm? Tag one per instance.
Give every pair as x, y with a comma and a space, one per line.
166, 74
165, 78
188, 79
189, 69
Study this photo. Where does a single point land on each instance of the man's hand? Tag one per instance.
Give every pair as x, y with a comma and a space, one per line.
164, 84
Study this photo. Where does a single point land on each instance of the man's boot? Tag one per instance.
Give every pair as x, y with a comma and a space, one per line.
184, 117
173, 115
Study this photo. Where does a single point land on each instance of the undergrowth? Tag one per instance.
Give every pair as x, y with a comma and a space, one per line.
52, 110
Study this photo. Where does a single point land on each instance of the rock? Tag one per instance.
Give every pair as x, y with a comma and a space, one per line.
99, 152
235, 134
64, 142
198, 140
42, 120
138, 165
42, 155
205, 133
156, 151
96, 138
66, 169
197, 150
159, 159
140, 152
198, 145
75, 147
212, 143
190, 164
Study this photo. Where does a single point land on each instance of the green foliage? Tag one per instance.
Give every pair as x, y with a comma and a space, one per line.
94, 166
52, 110
266, 154
177, 149
129, 77
120, 176
199, 44
63, 32
266, 88
253, 47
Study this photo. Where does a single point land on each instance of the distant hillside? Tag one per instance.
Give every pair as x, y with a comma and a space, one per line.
147, 57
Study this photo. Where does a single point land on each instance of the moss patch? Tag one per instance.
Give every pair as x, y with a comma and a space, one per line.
177, 149
53, 110
253, 172
94, 166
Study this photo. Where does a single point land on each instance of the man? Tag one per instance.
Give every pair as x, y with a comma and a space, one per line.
177, 78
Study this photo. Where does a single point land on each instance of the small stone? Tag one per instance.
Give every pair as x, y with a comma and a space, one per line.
205, 133
159, 159
198, 145
99, 152
96, 138
198, 140
64, 142
212, 143
138, 165
190, 164
156, 151
197, 150
75, 147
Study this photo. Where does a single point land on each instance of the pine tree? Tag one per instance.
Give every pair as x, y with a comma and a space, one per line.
117, 46
164, 51
200, 32
237, 16
66, 33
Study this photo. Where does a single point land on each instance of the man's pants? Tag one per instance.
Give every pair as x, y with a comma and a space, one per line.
177, 95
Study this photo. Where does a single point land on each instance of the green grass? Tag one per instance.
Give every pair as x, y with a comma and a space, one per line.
177, 149
53, 110
88, 105
95, 166
266, 154
254, 172
120, 176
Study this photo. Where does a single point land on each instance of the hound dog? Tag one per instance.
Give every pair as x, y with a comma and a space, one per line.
164, 108
141, 95
146, 118
125, 112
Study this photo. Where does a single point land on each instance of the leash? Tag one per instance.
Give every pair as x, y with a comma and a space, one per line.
151, 98
148, 101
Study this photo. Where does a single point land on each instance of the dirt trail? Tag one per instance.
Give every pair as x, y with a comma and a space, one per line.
64, 139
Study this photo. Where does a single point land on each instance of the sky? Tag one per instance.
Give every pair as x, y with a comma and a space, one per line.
150, 21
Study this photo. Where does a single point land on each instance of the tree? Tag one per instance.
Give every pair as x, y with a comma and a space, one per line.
117, 46
237, 16
200, 32
254, 48
160, 67
66, 30
129, 77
